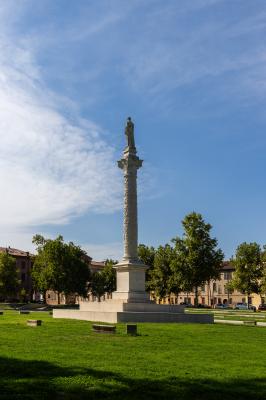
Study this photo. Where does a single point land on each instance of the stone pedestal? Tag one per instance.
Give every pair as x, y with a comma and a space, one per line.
131, 282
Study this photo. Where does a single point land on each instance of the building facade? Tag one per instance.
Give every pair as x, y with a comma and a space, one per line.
216, 292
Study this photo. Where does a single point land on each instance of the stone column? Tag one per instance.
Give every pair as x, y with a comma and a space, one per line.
130, 164
130, 271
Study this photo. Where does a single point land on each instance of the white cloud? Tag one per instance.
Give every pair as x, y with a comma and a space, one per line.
52, 166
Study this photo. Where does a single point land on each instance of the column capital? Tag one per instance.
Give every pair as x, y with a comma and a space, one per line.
130, 163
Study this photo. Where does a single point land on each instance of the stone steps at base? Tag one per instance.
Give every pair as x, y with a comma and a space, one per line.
114, 317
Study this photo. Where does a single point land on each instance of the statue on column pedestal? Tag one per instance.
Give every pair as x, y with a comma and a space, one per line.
129, 132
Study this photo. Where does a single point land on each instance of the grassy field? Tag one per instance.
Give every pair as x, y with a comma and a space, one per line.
63, 359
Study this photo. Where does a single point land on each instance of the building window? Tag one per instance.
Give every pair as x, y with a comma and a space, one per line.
203, 288
214, 287
230, 301
219, 289
228, 276
23, 264
203, 300
23, 277
243, 299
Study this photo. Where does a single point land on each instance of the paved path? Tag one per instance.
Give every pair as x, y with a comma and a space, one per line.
232, 322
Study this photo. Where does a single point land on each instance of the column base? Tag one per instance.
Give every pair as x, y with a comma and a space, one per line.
131, 282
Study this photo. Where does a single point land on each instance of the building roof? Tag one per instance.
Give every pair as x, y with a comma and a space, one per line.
15, 252
227, 266
98, 264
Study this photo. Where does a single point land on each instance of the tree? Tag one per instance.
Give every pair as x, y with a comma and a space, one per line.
9, 282
60, 266
104, 281
248, 262
109, 274
160, 276
146, 255
262, 282
198, 253
97, 284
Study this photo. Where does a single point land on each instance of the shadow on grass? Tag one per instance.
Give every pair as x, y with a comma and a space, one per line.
43, 380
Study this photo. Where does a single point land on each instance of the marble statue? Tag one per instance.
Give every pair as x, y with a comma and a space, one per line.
129, 132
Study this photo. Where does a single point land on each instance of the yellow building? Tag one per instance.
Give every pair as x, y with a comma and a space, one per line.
215, 292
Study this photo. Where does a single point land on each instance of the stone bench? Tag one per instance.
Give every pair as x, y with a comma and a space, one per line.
131, 329
34, 322
23, 312
251, 323
103, 328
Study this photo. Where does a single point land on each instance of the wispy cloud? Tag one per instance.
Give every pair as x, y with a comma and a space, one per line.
158, 47
186, 50
53, 165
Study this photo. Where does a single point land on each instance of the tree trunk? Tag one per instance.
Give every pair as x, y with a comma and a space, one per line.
58, 298
209, 293
196, 302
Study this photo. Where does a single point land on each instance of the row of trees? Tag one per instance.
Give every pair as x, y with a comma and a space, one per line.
186, 264
58, 266
194, 259
63, 268
182, 266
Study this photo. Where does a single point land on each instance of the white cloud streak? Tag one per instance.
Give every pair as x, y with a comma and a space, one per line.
52, 166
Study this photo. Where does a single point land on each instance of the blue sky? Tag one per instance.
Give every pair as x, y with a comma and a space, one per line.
191, 74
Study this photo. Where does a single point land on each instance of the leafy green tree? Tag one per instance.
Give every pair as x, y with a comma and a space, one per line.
9, 282
109, 274
197, 252
262, 282
229, 288
104, 281
97, 284
60, 266
160, 278
146, 255
248, 263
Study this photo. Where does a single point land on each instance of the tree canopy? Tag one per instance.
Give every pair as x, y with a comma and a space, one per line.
9, 282
249, 266
104, 281
60, 266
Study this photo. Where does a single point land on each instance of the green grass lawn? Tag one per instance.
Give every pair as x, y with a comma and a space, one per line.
63, 359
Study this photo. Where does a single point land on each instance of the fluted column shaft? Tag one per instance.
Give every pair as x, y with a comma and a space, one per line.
130, 164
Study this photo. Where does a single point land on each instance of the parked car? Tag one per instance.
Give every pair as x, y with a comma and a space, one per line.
221, 306
245, 306
187, 305
262, 307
